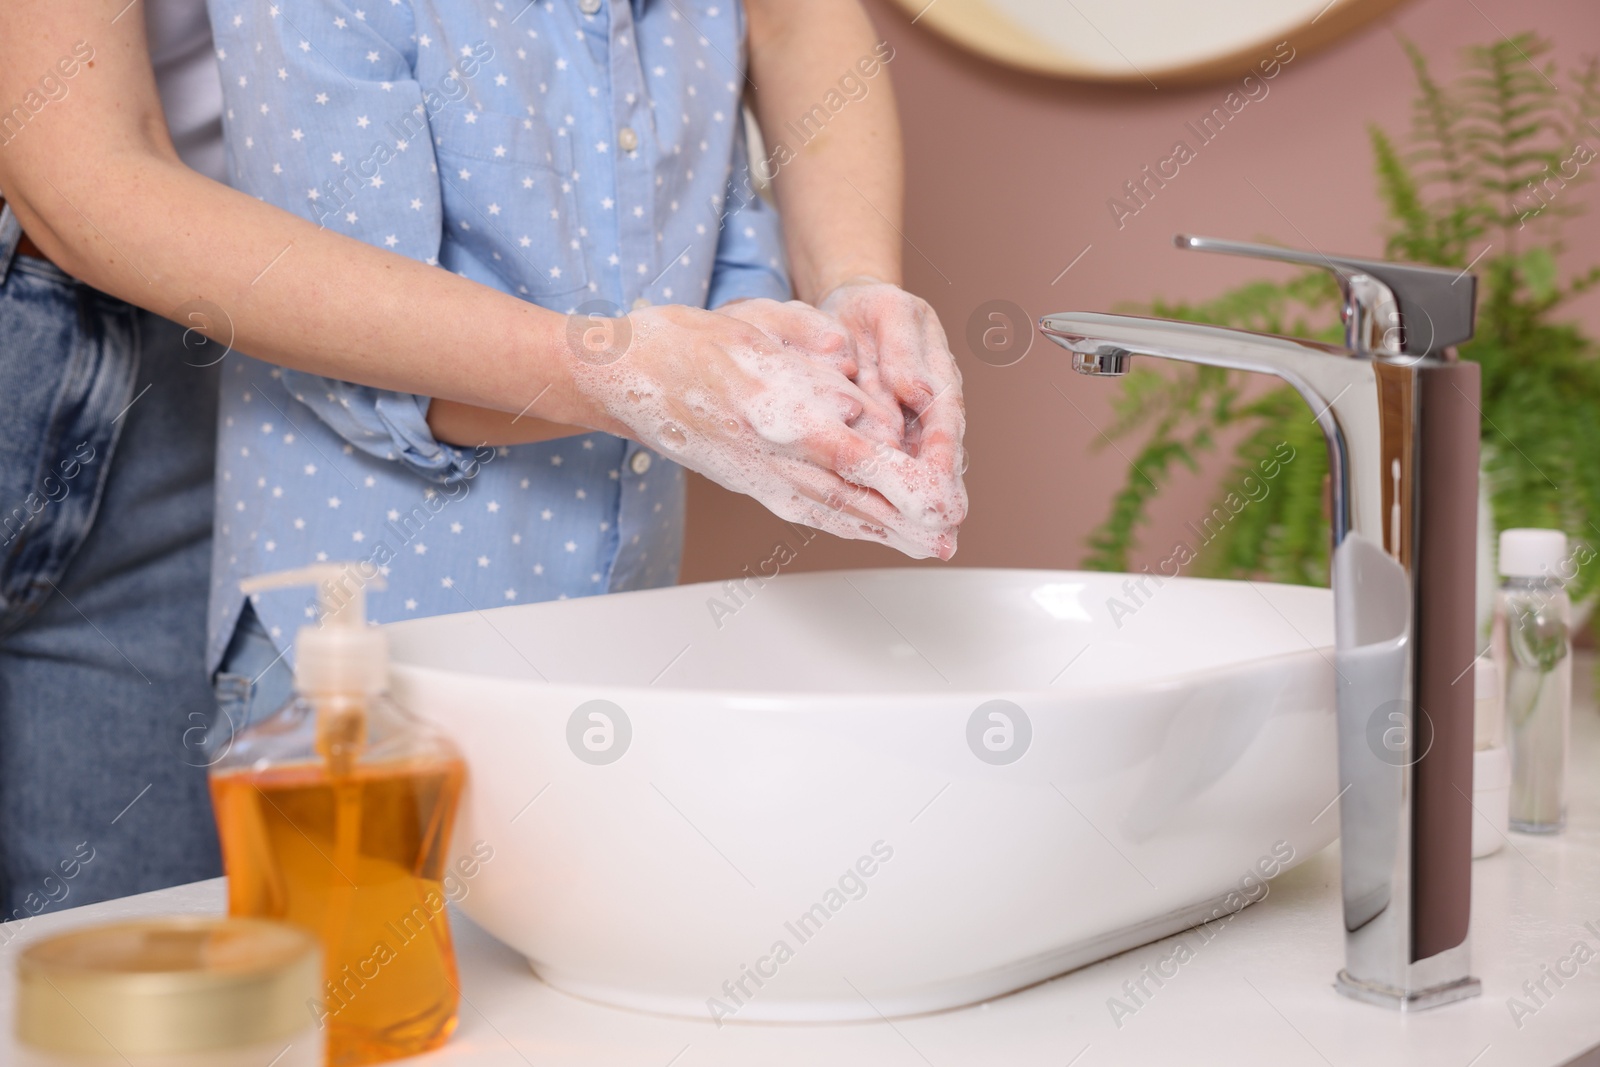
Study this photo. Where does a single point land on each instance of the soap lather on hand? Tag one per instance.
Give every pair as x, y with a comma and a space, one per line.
895, 354
849, 421
905, 362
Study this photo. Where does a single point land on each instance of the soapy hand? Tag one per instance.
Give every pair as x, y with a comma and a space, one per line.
760, 400
904, 362
797, 323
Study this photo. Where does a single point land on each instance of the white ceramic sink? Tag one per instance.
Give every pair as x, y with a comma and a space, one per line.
776, 743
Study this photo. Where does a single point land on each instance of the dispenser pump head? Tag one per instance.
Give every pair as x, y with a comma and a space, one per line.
340, 653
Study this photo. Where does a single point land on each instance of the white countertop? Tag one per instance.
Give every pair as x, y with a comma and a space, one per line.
1260, 992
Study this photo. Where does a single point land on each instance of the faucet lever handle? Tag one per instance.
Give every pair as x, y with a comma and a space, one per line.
1390, 309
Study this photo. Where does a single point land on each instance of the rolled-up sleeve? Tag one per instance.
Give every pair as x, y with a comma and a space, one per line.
751, 261
326, 119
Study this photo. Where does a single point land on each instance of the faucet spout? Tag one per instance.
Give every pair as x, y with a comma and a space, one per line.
1102, 361
1400, 416
1326, 376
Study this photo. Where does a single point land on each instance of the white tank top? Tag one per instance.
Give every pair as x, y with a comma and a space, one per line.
185, 62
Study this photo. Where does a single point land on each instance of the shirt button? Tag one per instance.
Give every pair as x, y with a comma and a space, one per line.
640, 463
641, 303
588, 7
628, 139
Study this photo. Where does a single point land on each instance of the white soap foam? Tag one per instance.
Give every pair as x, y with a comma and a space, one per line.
907, 359
790, 393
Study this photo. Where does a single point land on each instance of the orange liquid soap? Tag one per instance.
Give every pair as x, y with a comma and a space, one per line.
335, 814
356, 859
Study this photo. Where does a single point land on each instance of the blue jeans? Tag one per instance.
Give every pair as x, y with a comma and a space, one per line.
106, 454
253, 681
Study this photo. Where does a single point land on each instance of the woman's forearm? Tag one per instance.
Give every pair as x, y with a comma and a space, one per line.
842, 192
279, 288
94, 179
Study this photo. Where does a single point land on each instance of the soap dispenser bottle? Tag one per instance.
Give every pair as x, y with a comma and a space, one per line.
335, 815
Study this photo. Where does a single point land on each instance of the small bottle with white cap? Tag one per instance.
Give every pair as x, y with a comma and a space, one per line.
1535, 618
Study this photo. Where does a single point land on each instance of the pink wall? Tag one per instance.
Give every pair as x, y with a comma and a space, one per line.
1008, 180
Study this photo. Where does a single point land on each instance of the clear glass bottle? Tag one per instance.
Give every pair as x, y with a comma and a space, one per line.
335, 815
1534, 617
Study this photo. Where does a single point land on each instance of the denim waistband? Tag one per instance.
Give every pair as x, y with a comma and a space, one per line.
10, 238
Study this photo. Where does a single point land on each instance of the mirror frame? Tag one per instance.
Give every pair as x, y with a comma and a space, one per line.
976, 27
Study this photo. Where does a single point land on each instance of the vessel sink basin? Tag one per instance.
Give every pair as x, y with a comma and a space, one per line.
836, 796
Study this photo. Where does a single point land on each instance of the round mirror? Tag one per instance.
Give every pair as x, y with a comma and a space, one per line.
1162, 42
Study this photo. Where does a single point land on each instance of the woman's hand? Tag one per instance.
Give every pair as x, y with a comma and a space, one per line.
760, 401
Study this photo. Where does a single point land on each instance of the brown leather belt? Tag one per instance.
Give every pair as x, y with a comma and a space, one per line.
26, 247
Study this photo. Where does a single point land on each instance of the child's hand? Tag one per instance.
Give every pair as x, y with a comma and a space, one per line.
769, 419
803, 326
905, 362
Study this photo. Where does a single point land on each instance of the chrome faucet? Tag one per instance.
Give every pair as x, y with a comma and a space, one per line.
1400, 414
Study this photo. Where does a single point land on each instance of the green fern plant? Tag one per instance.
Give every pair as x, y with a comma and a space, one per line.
1489, 168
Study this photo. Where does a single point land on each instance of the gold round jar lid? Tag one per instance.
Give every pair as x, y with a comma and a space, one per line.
166, 986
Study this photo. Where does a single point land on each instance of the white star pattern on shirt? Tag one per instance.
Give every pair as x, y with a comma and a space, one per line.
497, 198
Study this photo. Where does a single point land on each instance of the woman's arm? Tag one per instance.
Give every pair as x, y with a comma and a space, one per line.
94, 179
87, 165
